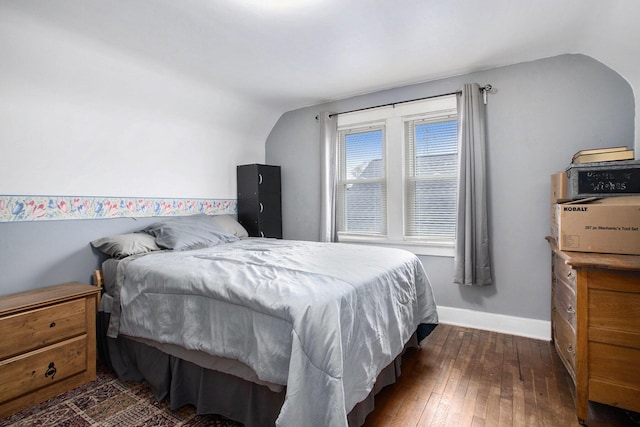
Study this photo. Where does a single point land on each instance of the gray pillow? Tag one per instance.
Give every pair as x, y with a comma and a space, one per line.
231, 226
189, 232
124, 245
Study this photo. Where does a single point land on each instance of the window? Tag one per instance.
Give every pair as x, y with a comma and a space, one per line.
397, 175
361, 181
431, 149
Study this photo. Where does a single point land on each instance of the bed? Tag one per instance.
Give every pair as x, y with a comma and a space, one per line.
262, 331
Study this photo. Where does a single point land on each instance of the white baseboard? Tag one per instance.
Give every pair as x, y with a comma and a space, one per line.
521, 326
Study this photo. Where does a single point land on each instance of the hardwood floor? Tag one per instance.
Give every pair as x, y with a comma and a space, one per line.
468, 377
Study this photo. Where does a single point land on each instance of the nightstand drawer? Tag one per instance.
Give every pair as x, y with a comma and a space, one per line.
40, 368
29, 330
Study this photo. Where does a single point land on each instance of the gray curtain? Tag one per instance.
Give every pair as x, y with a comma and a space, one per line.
328, 176
472, 262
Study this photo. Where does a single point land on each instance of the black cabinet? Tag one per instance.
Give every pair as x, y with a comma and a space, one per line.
259, 202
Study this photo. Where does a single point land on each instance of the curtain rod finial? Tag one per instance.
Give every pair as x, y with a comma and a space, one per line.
485, 89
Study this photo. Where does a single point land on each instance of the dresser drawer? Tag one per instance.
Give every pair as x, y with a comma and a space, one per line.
565, 302
615, 311
565, 342
614, 364
564, 273
23, 332
40, 368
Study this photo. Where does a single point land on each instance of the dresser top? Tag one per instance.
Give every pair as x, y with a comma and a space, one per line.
35, 298
597, 260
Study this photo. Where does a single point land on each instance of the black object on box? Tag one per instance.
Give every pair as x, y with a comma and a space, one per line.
604, 179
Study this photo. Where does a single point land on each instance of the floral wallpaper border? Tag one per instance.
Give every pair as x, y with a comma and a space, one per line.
37, 208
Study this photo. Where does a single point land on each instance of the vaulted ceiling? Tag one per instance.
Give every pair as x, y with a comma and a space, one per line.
284, 55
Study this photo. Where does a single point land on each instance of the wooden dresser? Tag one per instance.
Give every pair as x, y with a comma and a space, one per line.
595, 318
47, 343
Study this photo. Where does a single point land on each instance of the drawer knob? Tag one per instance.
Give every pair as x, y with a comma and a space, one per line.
259, 178
51, 371
570, 350
571, 310
52, 324
261, 207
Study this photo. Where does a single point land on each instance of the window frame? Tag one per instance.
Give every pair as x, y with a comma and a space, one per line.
394, 118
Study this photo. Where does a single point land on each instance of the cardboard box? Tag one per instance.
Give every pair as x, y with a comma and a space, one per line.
610, 225
558, 191
558, 187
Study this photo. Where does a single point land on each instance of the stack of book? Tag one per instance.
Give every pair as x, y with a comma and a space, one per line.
602, 155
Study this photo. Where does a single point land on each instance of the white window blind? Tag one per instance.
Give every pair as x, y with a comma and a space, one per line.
397, 175
362, 189
431, 158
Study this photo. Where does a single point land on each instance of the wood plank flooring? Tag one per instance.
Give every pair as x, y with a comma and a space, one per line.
468, 377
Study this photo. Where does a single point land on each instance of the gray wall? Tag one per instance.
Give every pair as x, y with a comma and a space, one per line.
540, 114
35, 254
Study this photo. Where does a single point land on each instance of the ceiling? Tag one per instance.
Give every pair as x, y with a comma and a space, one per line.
284, 55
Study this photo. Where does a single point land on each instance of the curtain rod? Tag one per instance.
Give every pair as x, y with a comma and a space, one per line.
484, 89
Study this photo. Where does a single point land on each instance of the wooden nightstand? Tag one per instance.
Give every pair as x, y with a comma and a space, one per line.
47, 343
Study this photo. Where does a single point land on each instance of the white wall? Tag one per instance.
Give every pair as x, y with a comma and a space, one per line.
80, 117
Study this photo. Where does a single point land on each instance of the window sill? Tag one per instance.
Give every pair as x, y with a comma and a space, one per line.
418, 248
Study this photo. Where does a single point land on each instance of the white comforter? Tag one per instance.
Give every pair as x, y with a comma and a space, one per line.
321, 318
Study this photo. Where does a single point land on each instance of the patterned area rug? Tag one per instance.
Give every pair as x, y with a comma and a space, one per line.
110, 402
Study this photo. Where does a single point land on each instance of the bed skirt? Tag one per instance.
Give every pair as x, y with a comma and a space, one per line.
210, 391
